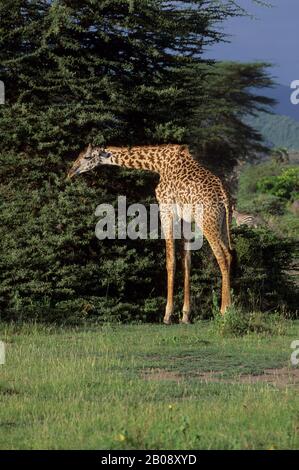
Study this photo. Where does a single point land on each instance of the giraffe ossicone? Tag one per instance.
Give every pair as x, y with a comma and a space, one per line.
183, 181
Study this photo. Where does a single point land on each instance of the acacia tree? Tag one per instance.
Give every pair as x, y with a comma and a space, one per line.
115, 71
108, 71
218, 131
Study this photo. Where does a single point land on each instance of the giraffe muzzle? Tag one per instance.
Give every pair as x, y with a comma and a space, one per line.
73, 172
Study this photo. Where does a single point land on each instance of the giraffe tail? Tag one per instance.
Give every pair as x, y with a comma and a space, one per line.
228, 220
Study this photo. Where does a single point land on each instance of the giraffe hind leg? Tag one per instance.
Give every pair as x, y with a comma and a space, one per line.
223, 257
226, 245
227, 253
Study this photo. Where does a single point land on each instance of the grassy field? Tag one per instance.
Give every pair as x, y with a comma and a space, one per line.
147, 387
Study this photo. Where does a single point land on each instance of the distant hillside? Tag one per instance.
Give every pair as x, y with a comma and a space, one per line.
282, 128
277, 130
282, 94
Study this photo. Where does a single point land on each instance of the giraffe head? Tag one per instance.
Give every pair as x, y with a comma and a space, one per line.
88, 159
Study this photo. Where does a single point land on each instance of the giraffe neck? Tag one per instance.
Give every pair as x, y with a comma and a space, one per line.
152, 158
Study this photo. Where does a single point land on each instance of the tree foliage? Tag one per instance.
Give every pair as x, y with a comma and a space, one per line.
219, 133
115, 72
285, 186
86, 70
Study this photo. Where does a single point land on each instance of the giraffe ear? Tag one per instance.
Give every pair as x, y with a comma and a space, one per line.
89, 149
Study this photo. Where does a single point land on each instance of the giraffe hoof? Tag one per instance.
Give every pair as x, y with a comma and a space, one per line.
185, 321
167, 321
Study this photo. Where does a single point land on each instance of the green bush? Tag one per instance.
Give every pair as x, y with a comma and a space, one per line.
268, 189
285, 185
286, 225
251, 174
261, 279
54, 269
264, 204
248, 197
237, 322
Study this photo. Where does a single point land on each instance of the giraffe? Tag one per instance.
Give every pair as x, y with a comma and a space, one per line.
182, 181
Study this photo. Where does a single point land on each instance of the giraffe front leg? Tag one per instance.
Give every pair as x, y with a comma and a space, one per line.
170, 266
186, 264
167, 220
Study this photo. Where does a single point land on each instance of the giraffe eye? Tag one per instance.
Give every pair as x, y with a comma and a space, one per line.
105, 154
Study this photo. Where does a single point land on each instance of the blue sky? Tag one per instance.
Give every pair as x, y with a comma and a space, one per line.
273, 36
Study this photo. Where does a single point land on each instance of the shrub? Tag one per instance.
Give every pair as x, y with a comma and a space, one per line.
54, 269
264, 204
268, 189
251, 174
284, 185
261, 280
237, 322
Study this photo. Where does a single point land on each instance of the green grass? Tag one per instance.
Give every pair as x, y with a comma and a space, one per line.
145, 387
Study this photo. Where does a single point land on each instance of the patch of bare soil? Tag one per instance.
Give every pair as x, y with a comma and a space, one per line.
281, 378
162, 374
278, 377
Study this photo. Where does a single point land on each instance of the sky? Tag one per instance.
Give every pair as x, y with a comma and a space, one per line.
272, 36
